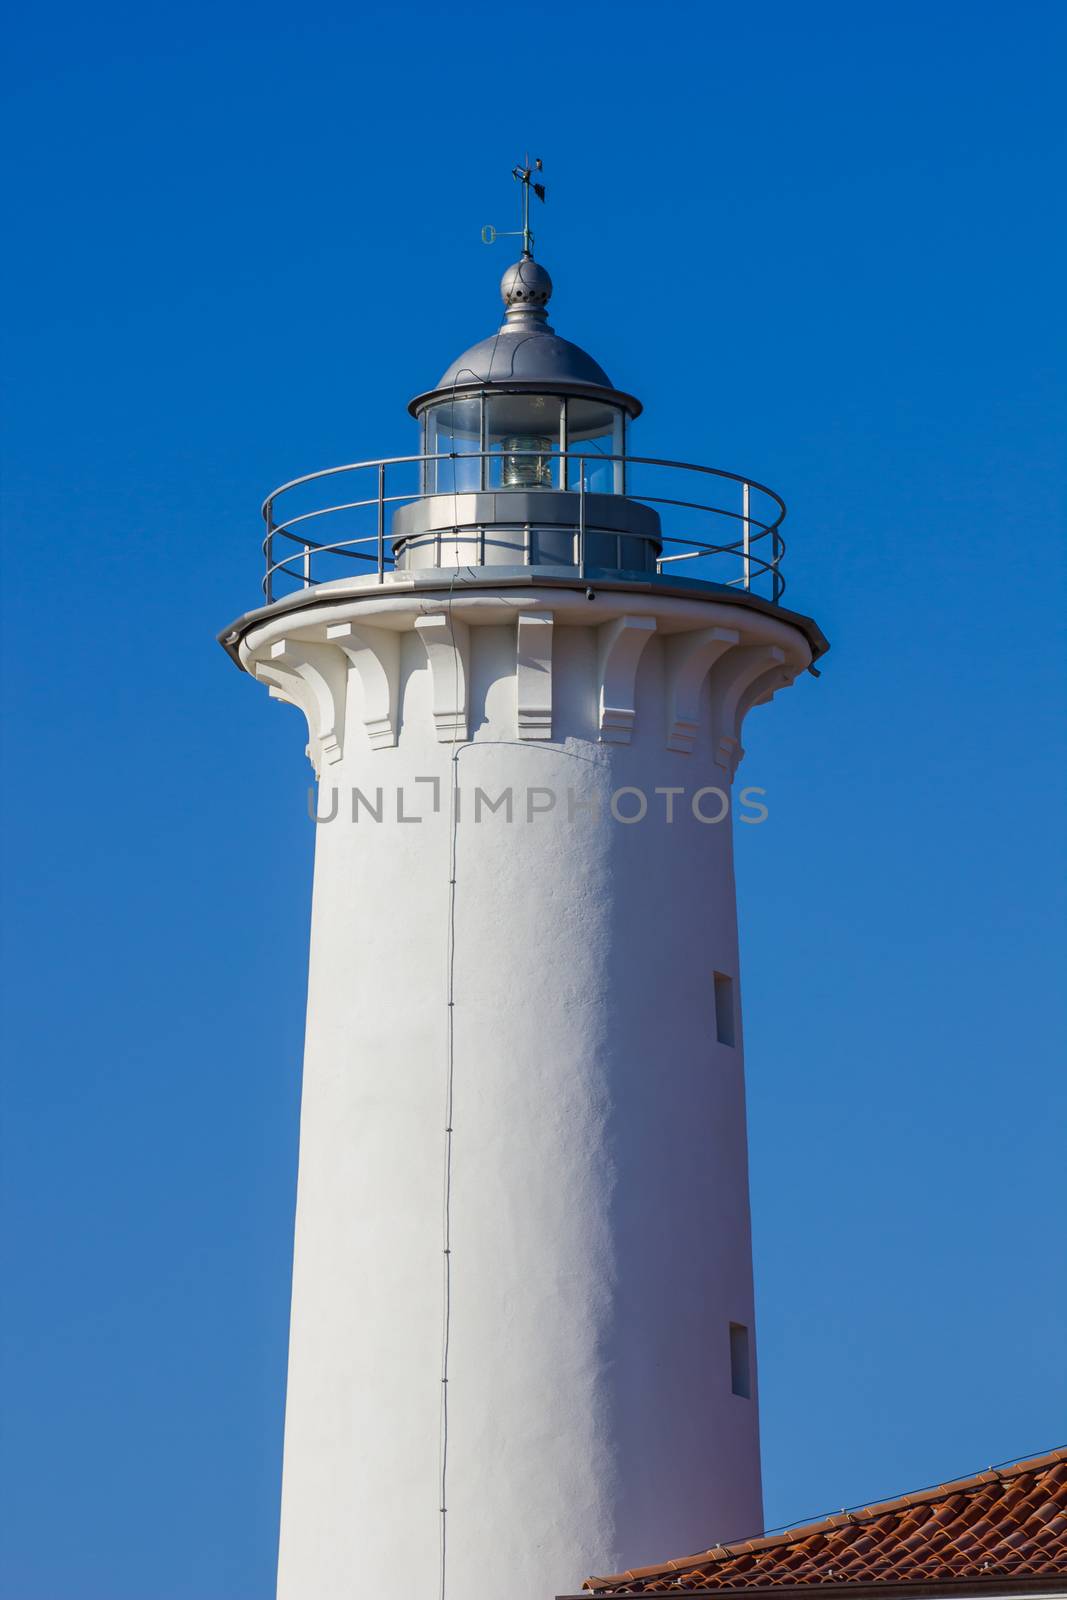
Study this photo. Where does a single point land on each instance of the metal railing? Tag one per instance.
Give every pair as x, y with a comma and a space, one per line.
751, 560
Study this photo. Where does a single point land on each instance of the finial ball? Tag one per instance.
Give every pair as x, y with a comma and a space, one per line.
526, 284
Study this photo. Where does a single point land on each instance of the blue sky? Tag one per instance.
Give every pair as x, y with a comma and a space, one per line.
823, 243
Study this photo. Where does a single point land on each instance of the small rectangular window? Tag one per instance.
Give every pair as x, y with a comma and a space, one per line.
724, 1009
740, 1368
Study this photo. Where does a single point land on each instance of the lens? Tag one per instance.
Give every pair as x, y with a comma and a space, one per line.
525, 466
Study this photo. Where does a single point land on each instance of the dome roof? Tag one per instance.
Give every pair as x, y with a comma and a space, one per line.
525, 349
530, 355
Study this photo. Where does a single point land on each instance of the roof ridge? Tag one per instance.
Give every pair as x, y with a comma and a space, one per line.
838, 1519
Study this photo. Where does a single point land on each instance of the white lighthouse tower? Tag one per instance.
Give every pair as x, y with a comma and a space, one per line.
522, 1345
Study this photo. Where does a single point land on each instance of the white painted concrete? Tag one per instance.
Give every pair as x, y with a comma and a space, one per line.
599, 1204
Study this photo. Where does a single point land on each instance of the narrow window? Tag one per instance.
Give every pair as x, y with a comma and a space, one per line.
740, 1369
724, 1008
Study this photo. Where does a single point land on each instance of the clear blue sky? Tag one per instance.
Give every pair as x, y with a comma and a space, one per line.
822, 242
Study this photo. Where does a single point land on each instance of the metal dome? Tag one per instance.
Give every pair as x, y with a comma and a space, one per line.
531, 356
526, 351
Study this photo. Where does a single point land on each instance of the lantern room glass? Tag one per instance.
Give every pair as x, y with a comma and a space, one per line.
523, 441
453, 428
595, 429
523, 436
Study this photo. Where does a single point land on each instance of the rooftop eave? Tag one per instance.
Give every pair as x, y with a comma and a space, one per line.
443, 581
989, 1586
580, 391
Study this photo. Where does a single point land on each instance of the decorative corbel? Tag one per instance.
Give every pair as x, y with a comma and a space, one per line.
738, 672
619, 650
374, 653
691, 657
533, 654
447, 645
312, 677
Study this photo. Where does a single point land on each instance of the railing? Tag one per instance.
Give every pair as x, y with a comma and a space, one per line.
751, 560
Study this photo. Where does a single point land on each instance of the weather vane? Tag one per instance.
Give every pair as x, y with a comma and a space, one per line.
525, 175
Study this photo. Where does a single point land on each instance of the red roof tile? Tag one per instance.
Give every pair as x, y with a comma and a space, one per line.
1007, 1522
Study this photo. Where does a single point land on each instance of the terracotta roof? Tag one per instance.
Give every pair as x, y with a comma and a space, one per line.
1007, 1521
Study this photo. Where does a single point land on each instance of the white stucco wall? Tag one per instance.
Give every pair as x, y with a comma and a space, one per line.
598, 1210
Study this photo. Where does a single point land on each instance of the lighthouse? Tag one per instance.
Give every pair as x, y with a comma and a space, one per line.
522, 1342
